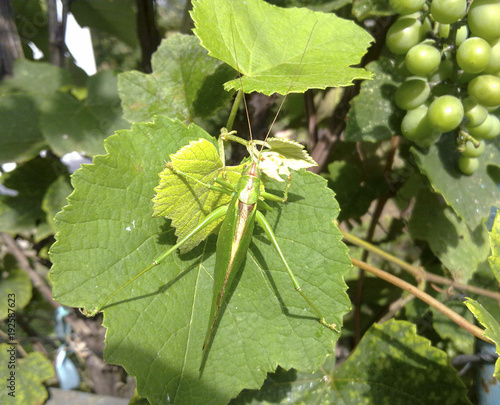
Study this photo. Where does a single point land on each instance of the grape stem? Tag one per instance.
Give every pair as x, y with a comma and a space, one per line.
468, 137
418, 272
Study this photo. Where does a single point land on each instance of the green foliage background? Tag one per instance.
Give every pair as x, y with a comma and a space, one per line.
130, 124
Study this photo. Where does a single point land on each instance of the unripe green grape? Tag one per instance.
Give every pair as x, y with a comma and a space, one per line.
494, 64
425, 28
414, 125
448, 11
426, 24
474, 55
468, 165
444, 30
485, 89
486, 129
462, 34
444, 71
471, 151
416, 128
483, 19
474, 112
411, 94
422, 59
404, 7
495, 128
403, 34
445, 113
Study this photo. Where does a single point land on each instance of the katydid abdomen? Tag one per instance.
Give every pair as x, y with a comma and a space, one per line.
234, 239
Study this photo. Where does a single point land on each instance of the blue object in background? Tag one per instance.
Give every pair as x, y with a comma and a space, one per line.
488, 387
67, 373
61, 327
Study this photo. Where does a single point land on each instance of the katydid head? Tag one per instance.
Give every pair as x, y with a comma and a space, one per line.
251, 170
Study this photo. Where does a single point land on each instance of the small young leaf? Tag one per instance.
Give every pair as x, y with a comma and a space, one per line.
186, 201
273, 47
282, 156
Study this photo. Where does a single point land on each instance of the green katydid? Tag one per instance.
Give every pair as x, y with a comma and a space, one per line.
239, 215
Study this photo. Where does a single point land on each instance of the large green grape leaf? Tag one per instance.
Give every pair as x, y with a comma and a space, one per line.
274, 47
29, 374
458, 247
13, 281
388, 360
116, 18
186, 83
391, 365
70, 124
494, 259
373, 116
22, 212
471, 197
156, 326
492, 327
318, 5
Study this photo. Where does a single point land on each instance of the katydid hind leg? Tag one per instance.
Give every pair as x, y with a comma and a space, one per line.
213, 216
262, 221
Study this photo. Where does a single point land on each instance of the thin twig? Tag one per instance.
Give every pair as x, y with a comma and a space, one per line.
418, 272
462, 322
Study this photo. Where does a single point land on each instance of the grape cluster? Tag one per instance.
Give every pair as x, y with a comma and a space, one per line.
450, 56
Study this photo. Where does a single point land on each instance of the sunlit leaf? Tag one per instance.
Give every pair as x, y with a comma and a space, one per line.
274, 47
